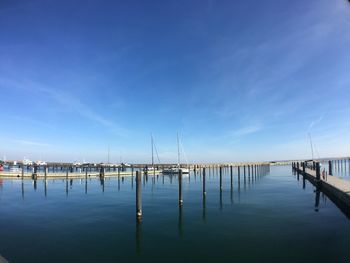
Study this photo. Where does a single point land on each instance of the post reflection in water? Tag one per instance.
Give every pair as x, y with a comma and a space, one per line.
204, 208
304, 182
102, 182
66, 187
138, 236
220, 199
180, 222
22, 189
35, 185
86, 185
317, 199
45, 187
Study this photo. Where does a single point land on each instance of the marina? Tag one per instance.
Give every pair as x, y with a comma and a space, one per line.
175, 131
219, 213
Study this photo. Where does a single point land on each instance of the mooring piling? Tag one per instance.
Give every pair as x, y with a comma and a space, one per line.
220, 178
204, 192
330, 172
180, 188
138, 196
231, 174
318, 173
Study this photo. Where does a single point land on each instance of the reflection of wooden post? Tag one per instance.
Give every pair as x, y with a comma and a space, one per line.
180, 188
138, 196
231, 176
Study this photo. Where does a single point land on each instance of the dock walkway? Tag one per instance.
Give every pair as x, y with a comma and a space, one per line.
334, 186
18, 175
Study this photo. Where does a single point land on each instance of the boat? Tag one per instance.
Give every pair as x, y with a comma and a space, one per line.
27, 161
178, 168
152, 169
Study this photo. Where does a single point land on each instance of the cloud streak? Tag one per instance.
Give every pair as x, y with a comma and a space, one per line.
68, 102
30, 143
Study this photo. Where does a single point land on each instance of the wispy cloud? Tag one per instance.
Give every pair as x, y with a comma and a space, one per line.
68, 101
246, 130
31, 143
314, 122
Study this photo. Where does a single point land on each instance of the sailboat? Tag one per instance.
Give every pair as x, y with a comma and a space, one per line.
177, 169
152, 168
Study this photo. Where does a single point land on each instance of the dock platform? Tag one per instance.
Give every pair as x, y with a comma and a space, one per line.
335, 187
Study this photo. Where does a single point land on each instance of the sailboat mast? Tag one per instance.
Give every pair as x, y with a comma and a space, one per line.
108, 156
178, 151
152, 150
312, 148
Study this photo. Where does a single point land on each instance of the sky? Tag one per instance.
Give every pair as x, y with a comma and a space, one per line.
245, 80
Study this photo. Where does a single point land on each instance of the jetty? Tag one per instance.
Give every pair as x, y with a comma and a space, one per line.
336, 188
18, 170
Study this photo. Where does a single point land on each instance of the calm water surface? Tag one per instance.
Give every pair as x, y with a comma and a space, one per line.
270, 218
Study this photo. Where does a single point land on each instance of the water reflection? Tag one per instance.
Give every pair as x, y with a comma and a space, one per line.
180, 227
102, 182
138, 236
204, 208
45, 187
317, 199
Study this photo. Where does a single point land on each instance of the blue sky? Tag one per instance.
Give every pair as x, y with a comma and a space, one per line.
239, 80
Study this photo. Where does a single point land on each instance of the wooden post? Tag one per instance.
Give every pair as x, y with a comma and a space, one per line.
45, 167
180, 188
22, 171
220, 178
239, 174
204, 192
132, 177
304, 164
318, 173
330, 168
231, 172
138, 196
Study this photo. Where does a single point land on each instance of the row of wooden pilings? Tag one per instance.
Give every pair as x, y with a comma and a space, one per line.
296, 166
249, 169
338, 164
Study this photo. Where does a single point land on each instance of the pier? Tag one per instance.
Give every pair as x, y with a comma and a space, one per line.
336, 188
68, 170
